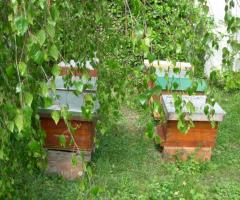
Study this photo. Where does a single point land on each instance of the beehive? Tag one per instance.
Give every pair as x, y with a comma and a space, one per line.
85, 128
199, 140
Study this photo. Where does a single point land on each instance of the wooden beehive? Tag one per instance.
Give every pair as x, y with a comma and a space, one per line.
79, 143
199, 140
83, 137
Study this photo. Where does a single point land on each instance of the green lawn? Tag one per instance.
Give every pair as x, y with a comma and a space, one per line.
128, 166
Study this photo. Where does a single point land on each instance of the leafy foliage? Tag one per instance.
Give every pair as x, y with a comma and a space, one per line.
35, 35
228, 78
25, 61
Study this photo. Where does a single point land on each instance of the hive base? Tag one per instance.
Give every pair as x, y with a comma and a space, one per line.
60, 162
184, 153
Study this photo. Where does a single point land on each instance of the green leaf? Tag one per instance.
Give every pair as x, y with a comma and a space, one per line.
22, 68
206, 110
21, 25
151, 57
38, 57
176, 70
56, 116
231, 4
54, 53
190, 107
175, 85
156, 90
10, 71
10, 126
19, 121
178, 49
85, 76
182, 126
79, 86
27, 116
41, 37
88, 98
56, 70
41, 3
74, 159
177, 100
142, 99
44, 89
190, 91
65, 114
62, 140
50, 30
205, 8
18, 88
33, 145
212, 112
54, 13
28, 98
52, 85
147, 42
48, 102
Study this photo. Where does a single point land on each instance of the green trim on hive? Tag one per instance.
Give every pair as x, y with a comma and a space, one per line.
183, 83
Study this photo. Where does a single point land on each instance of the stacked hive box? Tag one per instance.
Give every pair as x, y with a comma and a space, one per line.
199, 140
60, 156
180, 80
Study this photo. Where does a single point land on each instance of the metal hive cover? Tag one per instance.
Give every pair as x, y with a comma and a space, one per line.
199, 103
69, 99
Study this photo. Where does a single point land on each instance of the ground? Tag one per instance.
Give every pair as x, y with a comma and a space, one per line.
127, 165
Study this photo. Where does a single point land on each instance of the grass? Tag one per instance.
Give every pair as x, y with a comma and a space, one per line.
128, 166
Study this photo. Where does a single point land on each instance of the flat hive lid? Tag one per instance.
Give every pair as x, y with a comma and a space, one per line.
165, 64
69, 99
199, 103
170, 73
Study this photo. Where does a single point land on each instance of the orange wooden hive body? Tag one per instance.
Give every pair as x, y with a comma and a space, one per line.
200, 140
83, 136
